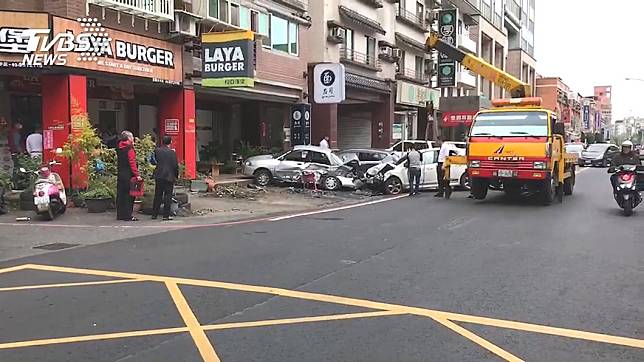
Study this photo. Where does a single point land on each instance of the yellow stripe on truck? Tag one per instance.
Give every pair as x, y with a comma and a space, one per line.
507, 149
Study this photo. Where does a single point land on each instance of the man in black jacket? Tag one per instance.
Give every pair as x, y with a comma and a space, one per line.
165, 175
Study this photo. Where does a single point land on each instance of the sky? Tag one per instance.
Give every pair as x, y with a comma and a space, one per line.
594, 42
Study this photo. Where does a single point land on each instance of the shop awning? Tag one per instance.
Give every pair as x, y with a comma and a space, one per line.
362, 20
360, 81
415, 44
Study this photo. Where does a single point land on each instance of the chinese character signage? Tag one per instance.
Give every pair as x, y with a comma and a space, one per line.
228, 59
415, 95
171, 127
447, 30
300, 124
586, 117
329, 83
15, 35
454, 119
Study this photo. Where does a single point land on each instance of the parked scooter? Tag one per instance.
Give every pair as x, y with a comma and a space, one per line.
625, 189
50, 199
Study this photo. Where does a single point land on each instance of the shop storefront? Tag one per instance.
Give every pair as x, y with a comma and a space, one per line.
411, 115
363, 120
127, 82
245, 94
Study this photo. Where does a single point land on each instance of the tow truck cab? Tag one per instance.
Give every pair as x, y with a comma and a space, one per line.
517, 145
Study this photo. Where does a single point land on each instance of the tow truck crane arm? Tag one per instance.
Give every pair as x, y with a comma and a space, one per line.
517, 88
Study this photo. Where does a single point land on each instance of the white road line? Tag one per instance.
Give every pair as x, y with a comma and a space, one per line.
279, 218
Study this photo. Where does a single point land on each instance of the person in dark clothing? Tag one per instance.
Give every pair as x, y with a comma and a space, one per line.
165, 175
126, 159
626, 157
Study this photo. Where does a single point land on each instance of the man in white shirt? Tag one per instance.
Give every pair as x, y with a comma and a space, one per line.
444, 152
34, 143
325, 142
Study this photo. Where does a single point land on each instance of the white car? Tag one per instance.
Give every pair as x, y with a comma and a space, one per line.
401, 147
397, 180
289, 166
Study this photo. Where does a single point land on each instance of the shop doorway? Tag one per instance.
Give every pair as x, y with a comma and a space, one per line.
28, 111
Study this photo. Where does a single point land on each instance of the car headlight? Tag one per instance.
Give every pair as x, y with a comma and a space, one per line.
475, 164
248, 163
540, 165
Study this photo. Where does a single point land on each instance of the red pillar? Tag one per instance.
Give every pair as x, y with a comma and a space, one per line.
324, 122
64, 100
177, 120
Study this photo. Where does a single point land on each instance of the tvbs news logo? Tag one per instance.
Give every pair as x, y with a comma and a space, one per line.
36, 44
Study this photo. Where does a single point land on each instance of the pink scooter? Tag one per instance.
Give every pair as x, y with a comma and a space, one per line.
50, 199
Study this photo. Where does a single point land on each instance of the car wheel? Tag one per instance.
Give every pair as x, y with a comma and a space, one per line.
465, 181
393, 186
605, 163
262, 177
332, 183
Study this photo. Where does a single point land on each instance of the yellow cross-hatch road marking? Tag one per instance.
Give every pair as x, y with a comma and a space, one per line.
75, 284
196, 331
205, 348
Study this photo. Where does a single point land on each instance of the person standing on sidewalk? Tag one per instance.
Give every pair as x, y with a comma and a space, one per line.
165, 175
325, 142
445, 151
414, 163
126, 163
34, 143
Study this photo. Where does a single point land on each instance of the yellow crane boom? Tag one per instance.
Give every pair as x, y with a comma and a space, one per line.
516, 87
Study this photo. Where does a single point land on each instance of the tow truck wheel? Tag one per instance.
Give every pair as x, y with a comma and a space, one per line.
478, 188
569, 183
548, 190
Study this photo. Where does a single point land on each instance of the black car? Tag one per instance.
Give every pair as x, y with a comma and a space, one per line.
598, 154
366, 157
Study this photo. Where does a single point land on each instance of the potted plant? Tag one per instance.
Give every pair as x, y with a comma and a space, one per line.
99, 165
99, 195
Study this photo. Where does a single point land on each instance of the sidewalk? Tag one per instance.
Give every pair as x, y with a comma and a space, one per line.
78, 227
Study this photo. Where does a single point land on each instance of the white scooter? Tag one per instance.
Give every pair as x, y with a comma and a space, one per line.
50, 199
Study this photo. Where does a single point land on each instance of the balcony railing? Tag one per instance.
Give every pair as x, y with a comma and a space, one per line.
413, 75
411, 18
161, 10
486, 11
365, 60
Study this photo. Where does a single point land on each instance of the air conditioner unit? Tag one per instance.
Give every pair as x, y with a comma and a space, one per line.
338, 33
185, 23
397, 53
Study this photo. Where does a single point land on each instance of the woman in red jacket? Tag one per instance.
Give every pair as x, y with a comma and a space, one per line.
126, 158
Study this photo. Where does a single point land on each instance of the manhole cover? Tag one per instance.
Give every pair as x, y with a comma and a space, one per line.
55, 246
328, 218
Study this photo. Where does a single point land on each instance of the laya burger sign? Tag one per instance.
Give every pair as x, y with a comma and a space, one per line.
228, 59
27, 41
125, 53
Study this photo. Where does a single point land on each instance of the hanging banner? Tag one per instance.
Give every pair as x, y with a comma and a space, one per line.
454, 119
228, 59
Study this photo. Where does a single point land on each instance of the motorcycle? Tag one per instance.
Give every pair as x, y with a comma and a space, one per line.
625, 189
50, 199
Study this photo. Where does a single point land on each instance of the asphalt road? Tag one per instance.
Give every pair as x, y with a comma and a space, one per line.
403, 280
